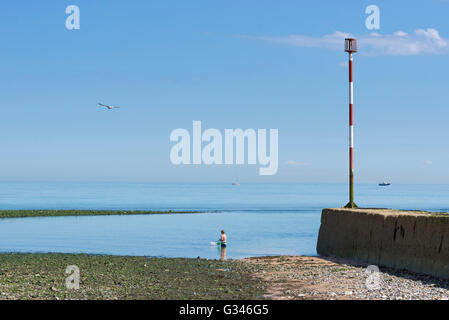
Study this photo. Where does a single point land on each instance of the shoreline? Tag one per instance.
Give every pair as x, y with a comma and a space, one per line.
103, 277
67, 213
34, 213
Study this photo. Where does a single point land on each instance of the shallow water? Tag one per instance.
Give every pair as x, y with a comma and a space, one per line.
260, 219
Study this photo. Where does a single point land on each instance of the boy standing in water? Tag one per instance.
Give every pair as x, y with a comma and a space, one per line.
223, 238
223, 245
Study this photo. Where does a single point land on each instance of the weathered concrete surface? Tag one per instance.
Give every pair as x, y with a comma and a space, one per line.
416, 241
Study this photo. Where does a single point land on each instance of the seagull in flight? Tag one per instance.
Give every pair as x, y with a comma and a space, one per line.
109, 107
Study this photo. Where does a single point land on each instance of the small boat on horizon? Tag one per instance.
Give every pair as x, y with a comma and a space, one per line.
236, 182
384, 184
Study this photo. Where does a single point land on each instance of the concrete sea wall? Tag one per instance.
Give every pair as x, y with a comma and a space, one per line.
416, 241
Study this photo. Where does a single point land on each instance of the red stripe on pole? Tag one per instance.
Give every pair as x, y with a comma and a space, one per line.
350, 70
351, 120
351, 159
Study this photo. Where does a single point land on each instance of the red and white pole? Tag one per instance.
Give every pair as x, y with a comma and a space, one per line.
351, 47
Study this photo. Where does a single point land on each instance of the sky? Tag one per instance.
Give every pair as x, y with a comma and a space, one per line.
259, 64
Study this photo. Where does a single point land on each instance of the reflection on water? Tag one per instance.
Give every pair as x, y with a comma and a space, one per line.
222, 253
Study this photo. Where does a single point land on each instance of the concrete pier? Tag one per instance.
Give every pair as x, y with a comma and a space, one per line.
411, 240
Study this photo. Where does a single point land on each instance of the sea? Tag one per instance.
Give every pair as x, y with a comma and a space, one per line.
259, 219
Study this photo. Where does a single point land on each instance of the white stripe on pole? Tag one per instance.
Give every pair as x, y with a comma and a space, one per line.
351, 93
351, 136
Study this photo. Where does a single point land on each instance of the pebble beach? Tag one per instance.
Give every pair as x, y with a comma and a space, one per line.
317, 278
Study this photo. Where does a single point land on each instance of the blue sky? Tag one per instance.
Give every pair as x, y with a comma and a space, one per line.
234, 64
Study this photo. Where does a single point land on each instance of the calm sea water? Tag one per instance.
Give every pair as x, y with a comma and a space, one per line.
260, 219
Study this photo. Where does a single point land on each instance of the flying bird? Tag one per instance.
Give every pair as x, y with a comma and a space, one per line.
109, 107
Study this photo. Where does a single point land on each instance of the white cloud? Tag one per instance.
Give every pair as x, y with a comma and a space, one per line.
400, 33
296, 163
428, 162
422, 41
